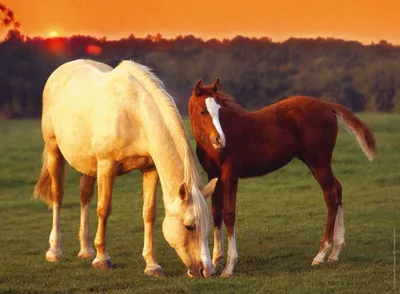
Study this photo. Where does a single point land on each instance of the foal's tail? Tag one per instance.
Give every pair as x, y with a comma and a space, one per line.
359, 129
43, 185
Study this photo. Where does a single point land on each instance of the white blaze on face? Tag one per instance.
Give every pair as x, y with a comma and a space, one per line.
213, 108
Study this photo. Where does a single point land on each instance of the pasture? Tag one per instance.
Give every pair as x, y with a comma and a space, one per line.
280, 221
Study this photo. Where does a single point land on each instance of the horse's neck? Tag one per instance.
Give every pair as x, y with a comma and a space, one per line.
167, 149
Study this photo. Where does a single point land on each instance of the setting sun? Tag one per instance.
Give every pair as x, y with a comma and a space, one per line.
53, 34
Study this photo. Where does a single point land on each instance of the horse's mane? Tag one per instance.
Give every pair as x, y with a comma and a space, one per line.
191, 175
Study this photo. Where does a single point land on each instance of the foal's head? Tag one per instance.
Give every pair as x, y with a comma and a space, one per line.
204, 116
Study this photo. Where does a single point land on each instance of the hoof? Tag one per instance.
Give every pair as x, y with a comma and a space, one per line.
154, 272
332, 260
226, 275
88, 253
316, 262
53, 256
103, 265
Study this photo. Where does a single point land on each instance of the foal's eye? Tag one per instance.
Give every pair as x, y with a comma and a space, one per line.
189, 228
204, 111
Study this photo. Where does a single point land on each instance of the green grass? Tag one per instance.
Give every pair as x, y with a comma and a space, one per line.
280, 220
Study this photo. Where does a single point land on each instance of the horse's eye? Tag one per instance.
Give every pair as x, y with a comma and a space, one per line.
189, 228
204, 111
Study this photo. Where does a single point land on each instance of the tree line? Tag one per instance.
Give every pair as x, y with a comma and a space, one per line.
255, 71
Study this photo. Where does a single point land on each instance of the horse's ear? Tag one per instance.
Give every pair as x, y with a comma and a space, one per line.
215, 85
208, 190
183, 192
198, 89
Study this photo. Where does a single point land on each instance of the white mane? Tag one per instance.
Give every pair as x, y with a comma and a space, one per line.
175, 125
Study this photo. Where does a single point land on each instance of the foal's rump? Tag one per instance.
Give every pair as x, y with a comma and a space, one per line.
314, 124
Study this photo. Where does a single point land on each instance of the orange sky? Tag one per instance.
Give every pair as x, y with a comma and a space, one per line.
363, 20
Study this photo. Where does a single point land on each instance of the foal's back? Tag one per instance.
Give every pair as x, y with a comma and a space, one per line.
294, 127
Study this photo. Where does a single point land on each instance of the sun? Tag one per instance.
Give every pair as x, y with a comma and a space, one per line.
53, 34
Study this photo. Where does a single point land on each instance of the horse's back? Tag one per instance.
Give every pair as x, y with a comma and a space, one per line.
87, 112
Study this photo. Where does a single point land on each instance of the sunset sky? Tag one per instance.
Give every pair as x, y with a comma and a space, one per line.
363, 20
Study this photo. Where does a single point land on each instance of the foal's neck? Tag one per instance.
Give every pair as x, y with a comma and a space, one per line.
235, 120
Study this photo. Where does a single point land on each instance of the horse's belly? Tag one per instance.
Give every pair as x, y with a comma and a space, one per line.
82, 161
88, 164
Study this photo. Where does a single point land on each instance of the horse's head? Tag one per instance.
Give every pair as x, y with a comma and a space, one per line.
204, 116
185, 228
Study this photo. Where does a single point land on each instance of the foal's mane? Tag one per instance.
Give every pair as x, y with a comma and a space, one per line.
226, 100
165, 101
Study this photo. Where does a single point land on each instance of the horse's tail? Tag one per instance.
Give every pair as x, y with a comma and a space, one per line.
359, 129
43, 185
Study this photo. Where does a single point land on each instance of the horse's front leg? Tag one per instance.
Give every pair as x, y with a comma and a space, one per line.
229, 182
150, 180
86, 195
106, 174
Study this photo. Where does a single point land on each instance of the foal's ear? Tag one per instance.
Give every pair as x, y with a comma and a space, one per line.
198, 89
215, 85
208, 190
183, 192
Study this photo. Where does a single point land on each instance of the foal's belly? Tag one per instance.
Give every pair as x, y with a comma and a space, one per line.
266, 161
260, 169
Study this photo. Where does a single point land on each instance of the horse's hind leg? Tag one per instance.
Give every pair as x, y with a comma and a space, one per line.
56, 168
150, 180
86, 195
334, 231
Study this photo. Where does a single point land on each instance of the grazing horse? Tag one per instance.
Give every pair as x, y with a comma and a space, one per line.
233, 143
106, 122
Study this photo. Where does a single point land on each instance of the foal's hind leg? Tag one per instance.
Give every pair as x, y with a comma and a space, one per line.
334, 231
56, 168
338, 231
150, 180
86, 194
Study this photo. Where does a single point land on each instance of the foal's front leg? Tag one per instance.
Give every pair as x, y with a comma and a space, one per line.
229, 188
86, 195
150, 180
105, 178
217, 205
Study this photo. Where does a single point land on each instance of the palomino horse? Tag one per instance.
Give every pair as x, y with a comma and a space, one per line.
106, 122
233, 143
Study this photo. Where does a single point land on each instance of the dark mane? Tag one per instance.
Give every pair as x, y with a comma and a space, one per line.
226, 100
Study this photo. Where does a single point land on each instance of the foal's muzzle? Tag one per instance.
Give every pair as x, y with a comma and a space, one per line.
217, 143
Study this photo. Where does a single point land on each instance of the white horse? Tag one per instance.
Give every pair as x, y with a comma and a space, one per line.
106, 122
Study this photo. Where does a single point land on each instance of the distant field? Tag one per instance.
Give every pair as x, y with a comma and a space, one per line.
280, 221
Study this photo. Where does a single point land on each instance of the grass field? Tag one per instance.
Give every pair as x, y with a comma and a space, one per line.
280, 221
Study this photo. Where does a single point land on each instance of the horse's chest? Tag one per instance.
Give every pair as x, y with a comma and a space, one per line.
134, 162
